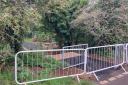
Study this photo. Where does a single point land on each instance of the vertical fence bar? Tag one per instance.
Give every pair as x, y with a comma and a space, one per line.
69, 61
126, 47
104, 57
16, 69
115, 55
76, 61
85, 60
44, 65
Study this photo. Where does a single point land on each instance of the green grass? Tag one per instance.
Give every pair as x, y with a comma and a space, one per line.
28, 40
4, 47
36, 60
65, 81
7, 78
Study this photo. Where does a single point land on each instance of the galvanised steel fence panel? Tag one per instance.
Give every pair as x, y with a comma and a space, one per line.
78, 59
126, 51
104, 57
42, 65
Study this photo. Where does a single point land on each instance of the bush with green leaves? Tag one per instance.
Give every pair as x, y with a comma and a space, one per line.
106, 53
6, 79
38, 59
44, 36
30, 62
24, 75
57, 19
6, 56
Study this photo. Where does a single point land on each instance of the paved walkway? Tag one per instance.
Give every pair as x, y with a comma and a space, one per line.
121, 79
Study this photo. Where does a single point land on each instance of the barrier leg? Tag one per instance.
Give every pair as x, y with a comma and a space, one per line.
78, 79
123, 68
96, 76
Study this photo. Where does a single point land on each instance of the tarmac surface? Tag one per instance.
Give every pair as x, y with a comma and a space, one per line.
117, 77
121, 79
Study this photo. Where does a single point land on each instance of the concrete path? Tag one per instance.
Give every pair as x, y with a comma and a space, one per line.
121, 79
30, 46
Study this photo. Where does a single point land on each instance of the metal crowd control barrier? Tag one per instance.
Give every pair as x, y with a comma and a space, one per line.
78, 60
42, 65
126, 48
104, 57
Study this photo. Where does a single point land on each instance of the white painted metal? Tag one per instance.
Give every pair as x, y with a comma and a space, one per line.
43, 65
126, 51
104, 57
79, 60
79, 46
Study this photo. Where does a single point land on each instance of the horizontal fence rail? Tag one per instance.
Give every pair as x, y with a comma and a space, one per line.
104, 57
43, 65
78, 60
126, 52
79, 46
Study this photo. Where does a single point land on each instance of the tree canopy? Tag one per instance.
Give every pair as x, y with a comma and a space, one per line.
65, 21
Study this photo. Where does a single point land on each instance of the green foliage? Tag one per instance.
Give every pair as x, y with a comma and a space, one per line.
83, 2
26, 62
16, 19
14, 24
83, 82
104, 24
106, 53
6, 58
112, 22
6, 79
58, 19
24, 75
39, 59
44, 36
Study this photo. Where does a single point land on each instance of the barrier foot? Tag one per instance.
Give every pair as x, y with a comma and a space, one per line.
96, 76
123, 68
78, 79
